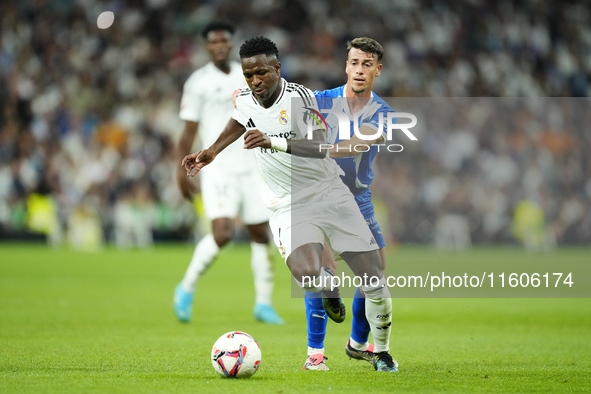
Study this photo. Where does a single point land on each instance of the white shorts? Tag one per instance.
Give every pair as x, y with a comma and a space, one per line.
332, 215
228, 196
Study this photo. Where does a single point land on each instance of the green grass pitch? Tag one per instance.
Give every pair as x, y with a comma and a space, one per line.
103, 323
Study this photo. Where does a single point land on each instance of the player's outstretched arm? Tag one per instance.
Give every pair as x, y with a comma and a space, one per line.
193, 163
347, 148
309, 147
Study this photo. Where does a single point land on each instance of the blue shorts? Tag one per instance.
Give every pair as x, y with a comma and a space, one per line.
370, 218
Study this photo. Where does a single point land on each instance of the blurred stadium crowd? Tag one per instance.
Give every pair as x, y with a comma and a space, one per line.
89, 117
491, 170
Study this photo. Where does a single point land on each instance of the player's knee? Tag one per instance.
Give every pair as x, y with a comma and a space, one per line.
223, 231
305, 274
223, 236
259, 233
376, 288
365, 263
305, 262
262, 238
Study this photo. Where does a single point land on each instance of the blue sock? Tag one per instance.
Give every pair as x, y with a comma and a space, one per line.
317, 321
359, 326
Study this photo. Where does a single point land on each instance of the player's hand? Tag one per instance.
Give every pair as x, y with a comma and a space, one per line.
187, 186
234, 95
256, 139
194, 162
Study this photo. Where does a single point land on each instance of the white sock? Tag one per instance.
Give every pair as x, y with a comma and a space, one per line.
205, 251
358, 346
378, 311
312, 351
263, 274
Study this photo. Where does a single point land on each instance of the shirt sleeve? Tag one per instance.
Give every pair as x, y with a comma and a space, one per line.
190, 102
374, 121
323, 100
306, 113
238, 117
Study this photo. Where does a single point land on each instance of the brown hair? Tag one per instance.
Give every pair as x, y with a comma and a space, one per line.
367, 45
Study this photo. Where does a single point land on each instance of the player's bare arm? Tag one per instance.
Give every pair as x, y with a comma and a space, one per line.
184, 148
308, 147
193, 163
347, 147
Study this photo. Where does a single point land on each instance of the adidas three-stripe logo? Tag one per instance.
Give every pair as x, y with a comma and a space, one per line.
250, 123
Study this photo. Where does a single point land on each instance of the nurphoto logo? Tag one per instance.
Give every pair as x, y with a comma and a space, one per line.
344, 127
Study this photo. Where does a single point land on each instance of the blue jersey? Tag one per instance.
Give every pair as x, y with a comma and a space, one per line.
358, 173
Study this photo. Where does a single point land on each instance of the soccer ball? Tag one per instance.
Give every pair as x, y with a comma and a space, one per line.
236, 355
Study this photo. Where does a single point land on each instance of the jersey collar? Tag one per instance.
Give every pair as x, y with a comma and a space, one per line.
344, 89
346, 107
283, 87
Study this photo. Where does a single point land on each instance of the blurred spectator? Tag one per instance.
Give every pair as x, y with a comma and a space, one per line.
93, 113
514, 171
529, 227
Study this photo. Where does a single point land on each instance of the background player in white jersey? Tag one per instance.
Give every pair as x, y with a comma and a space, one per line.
230, 185
308, 200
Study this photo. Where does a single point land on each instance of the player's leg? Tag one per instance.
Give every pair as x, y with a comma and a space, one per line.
207, 250
204, 254
255, 216
220, 203
312, 276
305, 264
349, 235
378, 304
358, 346
263, 274
301, 246
317, 320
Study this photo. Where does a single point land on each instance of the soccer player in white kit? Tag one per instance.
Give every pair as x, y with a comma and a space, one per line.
308, 201
230, 186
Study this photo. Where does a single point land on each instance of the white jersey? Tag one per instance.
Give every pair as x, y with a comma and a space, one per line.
288, 179
207, 99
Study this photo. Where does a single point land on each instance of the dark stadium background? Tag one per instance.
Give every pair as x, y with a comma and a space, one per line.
89, 117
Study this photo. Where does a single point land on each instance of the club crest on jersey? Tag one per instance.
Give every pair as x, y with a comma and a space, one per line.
283, 117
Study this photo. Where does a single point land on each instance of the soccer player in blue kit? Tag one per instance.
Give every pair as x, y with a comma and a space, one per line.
357, 101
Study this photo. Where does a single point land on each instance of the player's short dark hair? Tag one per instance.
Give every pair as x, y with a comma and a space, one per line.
367, 45
258, 46
217, 26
